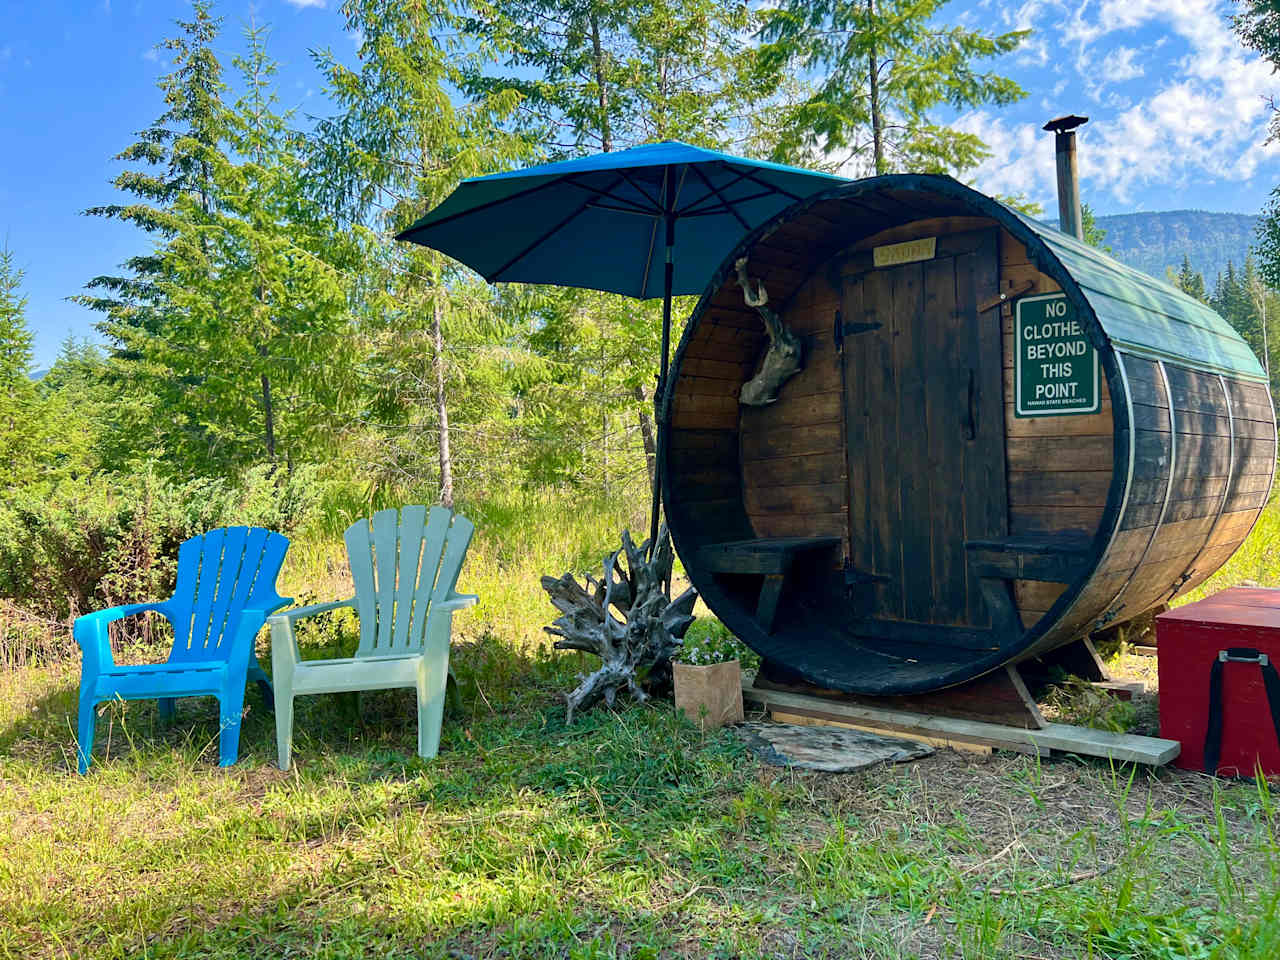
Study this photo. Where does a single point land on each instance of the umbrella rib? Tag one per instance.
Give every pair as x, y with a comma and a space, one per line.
722, 207
738, 178
769, 186
730, 207
609, 195
493, 277
648, 260
403, 234
641, 190
597, 205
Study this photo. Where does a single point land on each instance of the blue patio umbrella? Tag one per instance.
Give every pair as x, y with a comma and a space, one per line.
655, 220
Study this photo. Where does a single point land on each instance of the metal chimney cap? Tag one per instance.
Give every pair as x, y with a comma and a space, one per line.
1064, 124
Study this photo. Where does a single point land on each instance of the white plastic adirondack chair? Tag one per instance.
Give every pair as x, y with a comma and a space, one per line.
405, 567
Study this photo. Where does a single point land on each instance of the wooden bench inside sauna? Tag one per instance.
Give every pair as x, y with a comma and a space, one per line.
915, 509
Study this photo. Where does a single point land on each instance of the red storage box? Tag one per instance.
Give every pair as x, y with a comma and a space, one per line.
1219, 687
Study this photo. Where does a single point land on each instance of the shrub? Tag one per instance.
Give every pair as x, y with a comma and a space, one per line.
94, 542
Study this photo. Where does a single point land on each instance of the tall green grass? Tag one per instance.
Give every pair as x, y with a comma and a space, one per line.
500, 643
1257, 560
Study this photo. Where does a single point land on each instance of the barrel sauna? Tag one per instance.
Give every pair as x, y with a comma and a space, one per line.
904, 517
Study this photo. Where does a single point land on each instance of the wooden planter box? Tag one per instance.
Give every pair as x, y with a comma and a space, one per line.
710, 696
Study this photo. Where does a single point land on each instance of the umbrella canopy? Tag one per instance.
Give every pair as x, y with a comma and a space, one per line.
600, 222
655, 220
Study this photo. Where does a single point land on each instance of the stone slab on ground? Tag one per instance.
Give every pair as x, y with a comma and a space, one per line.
826, 749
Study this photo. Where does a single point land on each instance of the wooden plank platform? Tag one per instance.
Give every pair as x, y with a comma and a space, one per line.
1052, 738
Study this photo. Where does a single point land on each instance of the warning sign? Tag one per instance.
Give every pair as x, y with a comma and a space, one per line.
1055, 366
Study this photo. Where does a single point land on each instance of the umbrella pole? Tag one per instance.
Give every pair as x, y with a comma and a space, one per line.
659, 407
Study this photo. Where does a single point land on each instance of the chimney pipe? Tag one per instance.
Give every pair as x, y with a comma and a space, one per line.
1064, 148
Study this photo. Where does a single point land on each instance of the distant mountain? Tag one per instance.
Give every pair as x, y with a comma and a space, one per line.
1150, 242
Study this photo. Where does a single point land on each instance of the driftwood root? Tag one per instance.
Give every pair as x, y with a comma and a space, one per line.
627, 618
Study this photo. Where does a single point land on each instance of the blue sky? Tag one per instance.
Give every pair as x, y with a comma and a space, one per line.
1177, 115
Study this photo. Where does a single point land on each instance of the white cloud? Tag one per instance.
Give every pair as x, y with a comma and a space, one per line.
151, 55
1198, 114
1021, 160
304, 4
1118, 66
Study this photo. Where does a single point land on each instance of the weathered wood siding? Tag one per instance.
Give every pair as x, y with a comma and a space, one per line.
793, 472
795, 479
1060, 468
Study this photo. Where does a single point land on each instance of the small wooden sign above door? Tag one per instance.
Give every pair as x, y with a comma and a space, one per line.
1055, 366
893, 254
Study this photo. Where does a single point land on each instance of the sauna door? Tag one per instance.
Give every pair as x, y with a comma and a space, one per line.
924, 405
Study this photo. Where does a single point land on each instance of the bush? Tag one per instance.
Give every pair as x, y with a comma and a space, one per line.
95, 542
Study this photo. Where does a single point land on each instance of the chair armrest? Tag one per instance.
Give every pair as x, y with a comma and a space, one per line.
297, 613
459, 601
90, 632
111, 614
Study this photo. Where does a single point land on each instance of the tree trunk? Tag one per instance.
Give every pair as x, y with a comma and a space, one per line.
268, 410
646, 432
602, 88
442, 412
873, 73
604, 418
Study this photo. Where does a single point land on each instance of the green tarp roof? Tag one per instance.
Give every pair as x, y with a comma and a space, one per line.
1143, 315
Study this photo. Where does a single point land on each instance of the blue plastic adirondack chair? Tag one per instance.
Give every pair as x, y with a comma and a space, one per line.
226, 589
405, 567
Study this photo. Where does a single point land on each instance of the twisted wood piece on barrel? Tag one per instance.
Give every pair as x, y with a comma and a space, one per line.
782, 360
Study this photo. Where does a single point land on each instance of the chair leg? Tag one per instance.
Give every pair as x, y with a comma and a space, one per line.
230, 708
167, 709
284, 729
283, 662
84, 732
431, 689
259, 676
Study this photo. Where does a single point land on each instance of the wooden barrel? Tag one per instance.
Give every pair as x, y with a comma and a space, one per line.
999, 440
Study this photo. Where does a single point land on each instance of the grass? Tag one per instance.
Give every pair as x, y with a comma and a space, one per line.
1258, 558
630, 834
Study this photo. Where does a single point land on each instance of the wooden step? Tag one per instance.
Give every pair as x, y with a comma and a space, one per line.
1046, 741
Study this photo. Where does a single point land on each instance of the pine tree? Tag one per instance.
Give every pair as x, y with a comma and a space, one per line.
594, 75
172, 158
81, 410
1234, 300
229, 335
602, 76
1094, 235
398, 147
1258, 25
263, 289
171, 162
19, 408
881, 68
1189, 281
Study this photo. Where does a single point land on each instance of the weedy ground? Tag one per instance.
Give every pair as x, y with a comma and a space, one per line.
630, 834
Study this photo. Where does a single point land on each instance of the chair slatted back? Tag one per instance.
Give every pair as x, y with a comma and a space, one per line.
220, 573
402, 562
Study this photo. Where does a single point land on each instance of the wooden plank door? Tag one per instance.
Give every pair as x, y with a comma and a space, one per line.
924, 414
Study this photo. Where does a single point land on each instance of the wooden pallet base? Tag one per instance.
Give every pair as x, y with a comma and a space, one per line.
963, 746
1000, 697
1050, 739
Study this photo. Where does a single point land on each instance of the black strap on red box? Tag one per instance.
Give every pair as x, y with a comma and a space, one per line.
1270, 679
